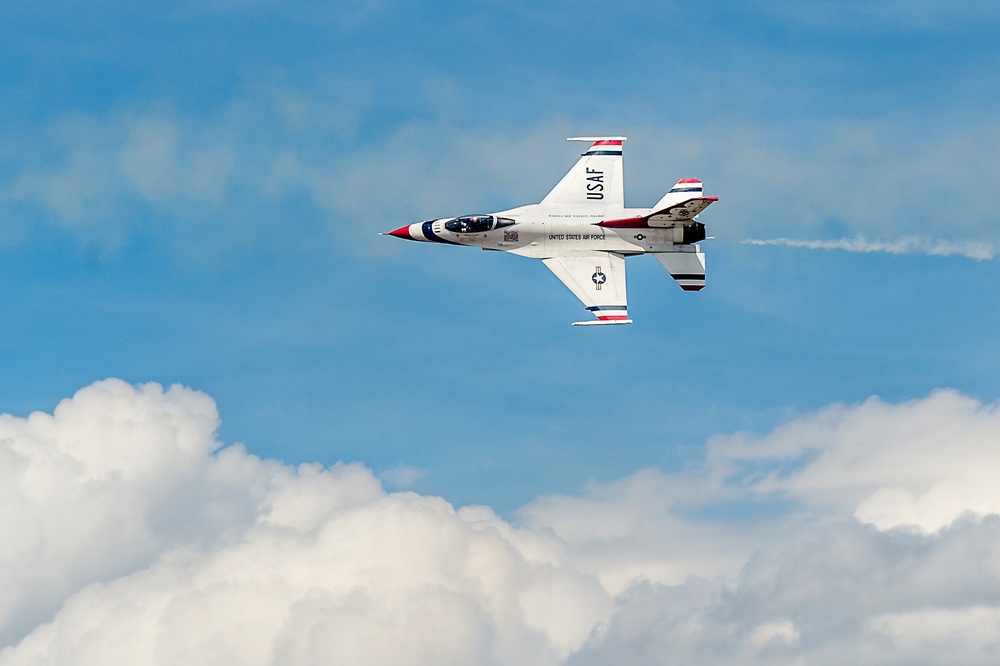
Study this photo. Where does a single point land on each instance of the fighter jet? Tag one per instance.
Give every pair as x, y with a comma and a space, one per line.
582, 231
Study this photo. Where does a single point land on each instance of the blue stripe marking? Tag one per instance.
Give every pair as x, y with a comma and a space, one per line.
686, 189
595, 308
428, 230
602, 152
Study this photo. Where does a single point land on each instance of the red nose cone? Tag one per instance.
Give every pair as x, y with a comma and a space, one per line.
402, 232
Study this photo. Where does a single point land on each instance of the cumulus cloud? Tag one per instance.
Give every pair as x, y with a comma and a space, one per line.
837, 593
124, 518
402, 476
859, 533
921, 463
980, 251
832, 539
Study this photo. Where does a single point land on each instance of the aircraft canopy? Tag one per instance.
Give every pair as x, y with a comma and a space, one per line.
474, 224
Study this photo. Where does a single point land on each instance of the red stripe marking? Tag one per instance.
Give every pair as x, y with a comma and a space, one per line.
627, 223
688, 180
612, 317
607, 143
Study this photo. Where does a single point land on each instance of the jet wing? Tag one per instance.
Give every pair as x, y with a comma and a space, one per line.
596, 178
598, 280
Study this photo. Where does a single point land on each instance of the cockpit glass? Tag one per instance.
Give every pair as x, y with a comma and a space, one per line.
470, 224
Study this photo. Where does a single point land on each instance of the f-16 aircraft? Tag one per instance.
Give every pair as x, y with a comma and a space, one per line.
582, 231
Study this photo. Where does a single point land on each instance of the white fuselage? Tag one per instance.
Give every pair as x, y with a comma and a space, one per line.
541, 230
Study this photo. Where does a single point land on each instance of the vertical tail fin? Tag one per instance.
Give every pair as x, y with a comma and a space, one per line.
686, 188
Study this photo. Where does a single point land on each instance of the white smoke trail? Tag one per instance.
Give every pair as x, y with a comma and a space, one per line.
978, 250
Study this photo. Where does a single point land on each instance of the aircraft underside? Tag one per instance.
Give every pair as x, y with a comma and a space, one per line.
582, 232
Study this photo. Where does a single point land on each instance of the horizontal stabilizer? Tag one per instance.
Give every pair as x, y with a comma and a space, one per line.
687, 268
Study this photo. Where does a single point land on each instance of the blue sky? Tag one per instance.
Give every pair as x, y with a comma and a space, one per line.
190, 193
237, 425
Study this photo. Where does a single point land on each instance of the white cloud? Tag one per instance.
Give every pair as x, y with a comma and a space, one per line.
974, 628
979, 251
780, 631
128, 520
636, 529
829, 593
866, 532
91, 492
402, 476
921, 463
